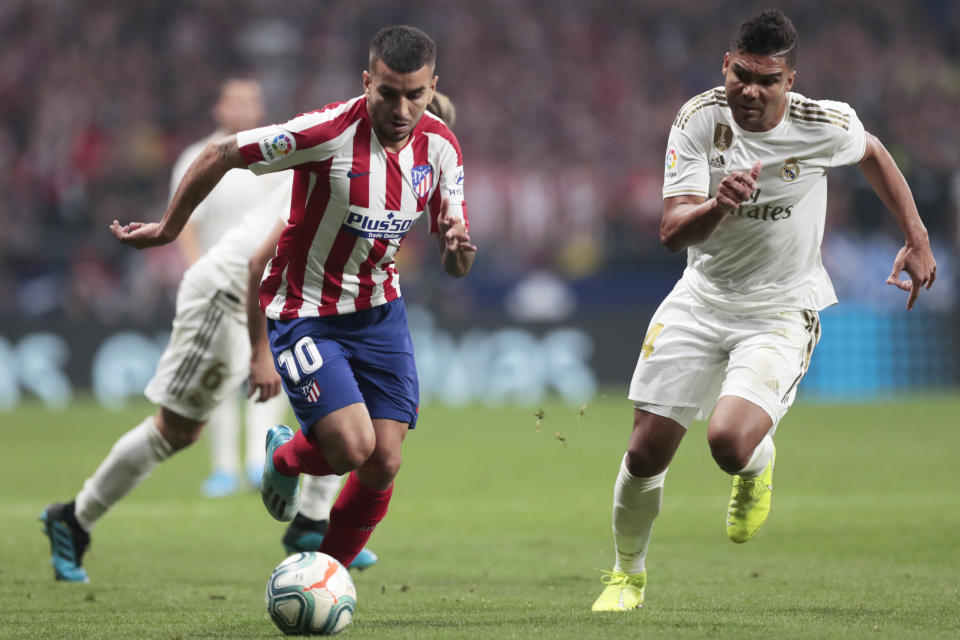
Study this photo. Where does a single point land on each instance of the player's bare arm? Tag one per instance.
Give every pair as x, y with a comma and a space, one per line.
456, 252
916, 257
688, 220
263, 374
201, 177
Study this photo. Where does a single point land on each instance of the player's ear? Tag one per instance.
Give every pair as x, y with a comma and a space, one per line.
790, 79
367, 83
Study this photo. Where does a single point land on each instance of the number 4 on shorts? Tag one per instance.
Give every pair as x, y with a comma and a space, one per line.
647, 349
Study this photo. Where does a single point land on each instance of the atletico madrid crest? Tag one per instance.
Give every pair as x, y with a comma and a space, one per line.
422, 178
311, 391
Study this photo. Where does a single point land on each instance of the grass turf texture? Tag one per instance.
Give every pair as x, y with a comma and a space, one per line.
497, 530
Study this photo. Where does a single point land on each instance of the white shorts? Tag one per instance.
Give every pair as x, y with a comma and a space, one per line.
208, 357
693, 354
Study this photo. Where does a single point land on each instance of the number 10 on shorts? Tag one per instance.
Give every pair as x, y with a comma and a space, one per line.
305, 354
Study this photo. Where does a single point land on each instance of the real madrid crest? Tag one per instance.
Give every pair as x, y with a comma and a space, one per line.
790, 170
722, 137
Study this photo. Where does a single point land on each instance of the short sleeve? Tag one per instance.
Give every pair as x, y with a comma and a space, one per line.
450, 180
310, 137
685, 170
851, 139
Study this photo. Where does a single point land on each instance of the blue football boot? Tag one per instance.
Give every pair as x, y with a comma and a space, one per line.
280, 493
305, 534
68, 542
219, 484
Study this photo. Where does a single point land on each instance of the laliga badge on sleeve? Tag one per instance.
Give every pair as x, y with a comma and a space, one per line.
277, 146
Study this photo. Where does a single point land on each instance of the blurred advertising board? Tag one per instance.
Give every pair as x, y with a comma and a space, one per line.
864, 355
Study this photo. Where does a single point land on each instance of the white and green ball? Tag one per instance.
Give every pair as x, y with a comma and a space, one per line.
311, 594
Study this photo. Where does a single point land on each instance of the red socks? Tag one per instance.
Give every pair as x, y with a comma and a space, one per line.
356, 512
301, 455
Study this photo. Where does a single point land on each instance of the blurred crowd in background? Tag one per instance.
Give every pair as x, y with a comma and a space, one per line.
564, 108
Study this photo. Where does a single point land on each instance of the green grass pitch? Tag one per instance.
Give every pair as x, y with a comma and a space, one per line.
498, 529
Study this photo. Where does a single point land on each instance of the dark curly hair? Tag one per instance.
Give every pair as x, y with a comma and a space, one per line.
769, 33
403, 49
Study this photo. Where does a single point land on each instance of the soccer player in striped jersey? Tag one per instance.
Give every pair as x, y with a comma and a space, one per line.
307, 530
745, 193
209, 314
364, 171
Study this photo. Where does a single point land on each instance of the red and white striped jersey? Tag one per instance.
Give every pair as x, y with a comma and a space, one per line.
352, 203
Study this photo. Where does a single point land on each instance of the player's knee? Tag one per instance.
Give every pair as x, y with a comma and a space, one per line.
179, 431
381, 468
347, 448
651, 445
727, 446
645, 461
388, 464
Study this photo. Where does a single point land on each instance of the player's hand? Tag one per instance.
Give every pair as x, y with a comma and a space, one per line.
455, 235
139, 235
919, 264
737, 187
263, 377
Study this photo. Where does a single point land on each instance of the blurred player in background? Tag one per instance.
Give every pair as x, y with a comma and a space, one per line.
745, 193
239, 107
306, 531
364, 171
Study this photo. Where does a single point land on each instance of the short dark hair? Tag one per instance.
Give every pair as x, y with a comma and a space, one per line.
404, 49
769, 33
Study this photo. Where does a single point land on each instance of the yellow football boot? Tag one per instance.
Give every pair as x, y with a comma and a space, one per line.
750, 503
623, 592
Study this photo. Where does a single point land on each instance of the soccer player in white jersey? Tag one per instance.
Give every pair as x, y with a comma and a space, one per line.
745, 193
238, 107
364, 171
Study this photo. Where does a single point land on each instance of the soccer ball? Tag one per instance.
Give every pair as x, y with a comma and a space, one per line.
311, 594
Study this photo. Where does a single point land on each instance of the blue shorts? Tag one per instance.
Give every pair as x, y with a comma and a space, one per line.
330, 362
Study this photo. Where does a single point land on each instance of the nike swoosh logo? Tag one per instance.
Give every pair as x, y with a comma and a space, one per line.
352, 174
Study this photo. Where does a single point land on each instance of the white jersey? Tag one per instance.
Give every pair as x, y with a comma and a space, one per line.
766, 255
218, 212
353, 202
225, 266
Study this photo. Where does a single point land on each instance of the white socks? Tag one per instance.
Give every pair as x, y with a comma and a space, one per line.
222, 432
260, 416
761, 456
133, 457
636, 503
317, 495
